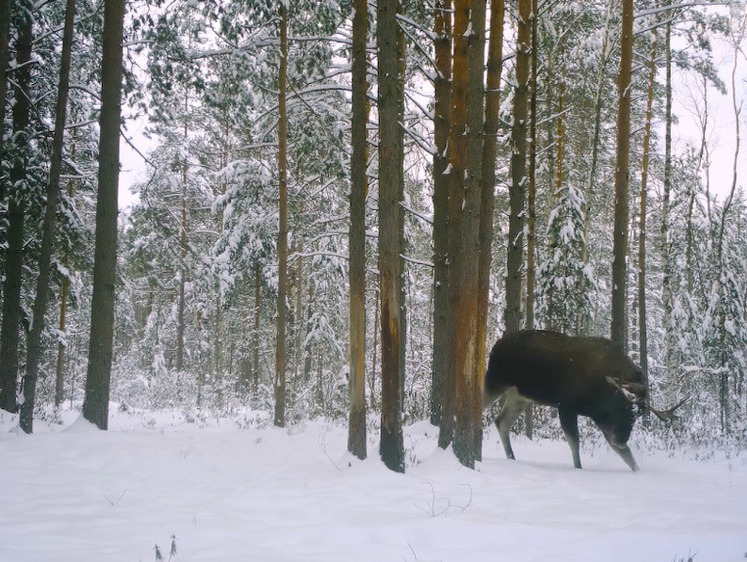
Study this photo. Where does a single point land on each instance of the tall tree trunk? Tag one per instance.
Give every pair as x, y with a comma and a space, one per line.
737, 39
517, 188
64, 296
357, 262
441, 181
458, 171
532, 183
59, 385
180, 327
309, 327
298, 323
642, 309
391, 227
487, 205
555, 317
96, 401
531, 204
619, 326
10, 330
402, 69
255, 333
468, 430
666, 288
374, 353
280, 347
48, 228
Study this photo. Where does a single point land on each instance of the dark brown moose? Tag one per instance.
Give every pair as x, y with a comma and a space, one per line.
580, 376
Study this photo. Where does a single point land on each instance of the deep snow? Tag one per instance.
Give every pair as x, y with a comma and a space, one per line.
73, 493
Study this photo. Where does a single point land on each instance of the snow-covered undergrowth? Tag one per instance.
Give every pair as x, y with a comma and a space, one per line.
218, 489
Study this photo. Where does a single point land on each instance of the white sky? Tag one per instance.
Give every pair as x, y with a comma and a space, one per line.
721, 128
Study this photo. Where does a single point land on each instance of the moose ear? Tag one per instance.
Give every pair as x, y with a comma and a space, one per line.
635, 387
628, 390
613, 382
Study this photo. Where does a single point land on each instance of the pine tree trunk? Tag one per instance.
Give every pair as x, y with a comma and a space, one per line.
357, 237
441, 180
64, 296
724, 410
517, 188
458, 161
468, 430
255, 334
487, 205
59, 385
374, 353
391, 225
620, 241
642, 309
10, 330
96, 402
531, 205
48, 229
532, 182
180, 327
280, 347
309, 327
298, 323
666, 282
555, 318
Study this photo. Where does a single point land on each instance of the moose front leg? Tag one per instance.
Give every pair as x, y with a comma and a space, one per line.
569, 423
621, 449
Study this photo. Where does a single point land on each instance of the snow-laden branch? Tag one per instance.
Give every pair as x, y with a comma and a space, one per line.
680, 6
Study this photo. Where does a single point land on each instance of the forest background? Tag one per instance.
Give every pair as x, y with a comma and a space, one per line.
236, 280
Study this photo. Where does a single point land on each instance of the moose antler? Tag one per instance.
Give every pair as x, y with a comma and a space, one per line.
633, 391
667, 415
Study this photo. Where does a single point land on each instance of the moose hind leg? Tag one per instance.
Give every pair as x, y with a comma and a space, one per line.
513, 406
569, 423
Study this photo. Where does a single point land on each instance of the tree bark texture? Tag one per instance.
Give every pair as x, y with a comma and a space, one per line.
517, 188
619, 332
642, 230
441, 181
10, 329
532, 181
357, 237
666, 281
458, 161
48, 228
255, 332
489, 149
391, 229
280, 344
181, 305
96, 401
470, 352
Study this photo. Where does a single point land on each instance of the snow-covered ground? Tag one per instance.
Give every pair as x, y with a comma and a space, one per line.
218, 491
